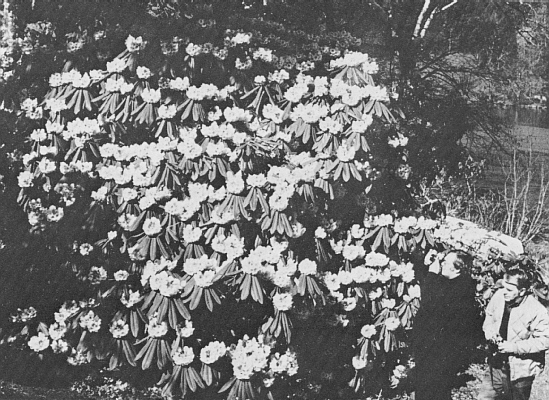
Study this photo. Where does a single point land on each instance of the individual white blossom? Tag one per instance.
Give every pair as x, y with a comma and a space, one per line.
85, 249
143, 72
284, 363
54, 214
352, 252
235, 114
80, 82
179, 84
134, 44
388, 303
368, 331
151, 95
152, 226
213, 352
235, 183
320, 233
361, 274
39, 343
121, 275
119, 329
374, 259
90, 321
57, 330
307, 267
345, 277
345, 153
356, 59
59, 346
309, 113
25, 179
156, 328
183, 356
205, 278
283, 301
116, 66
55, 106
414, 291
167, 284
131, 299
392, 323
375, 294
191, 234
186, 330
167, 111
359, 362
279, 76
263, 54
349, 303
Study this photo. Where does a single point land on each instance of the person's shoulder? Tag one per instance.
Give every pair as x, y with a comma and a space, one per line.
467, 281
534, 305
498, 295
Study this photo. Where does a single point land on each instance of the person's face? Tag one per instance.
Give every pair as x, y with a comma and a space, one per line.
447, 268
511, 289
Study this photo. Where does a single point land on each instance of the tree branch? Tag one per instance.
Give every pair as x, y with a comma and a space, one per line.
447, 6
428, 22
377, 5
435, 11
419, 21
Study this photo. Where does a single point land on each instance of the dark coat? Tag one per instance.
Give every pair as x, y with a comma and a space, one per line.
447, 323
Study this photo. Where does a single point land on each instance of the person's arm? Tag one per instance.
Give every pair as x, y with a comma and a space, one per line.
489, 330
539, 337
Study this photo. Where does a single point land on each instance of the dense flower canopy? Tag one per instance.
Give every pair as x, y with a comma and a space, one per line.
213, 191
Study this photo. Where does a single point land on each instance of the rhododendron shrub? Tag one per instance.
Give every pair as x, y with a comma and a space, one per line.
208, 221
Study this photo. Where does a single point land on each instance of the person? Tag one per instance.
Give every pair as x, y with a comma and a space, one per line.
443, 333
517, 324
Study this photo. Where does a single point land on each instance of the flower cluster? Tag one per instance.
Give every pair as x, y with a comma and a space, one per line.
213, 352
467, 236
119, 329
202, 270
356, 59
39, 343
160, 278
131, 299
284, 363
24, 315
249, 356
283, 301
67, 310
90, 321
183, 356
156, 328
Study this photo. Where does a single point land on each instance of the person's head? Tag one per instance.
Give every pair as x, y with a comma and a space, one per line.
516, 284
454, 264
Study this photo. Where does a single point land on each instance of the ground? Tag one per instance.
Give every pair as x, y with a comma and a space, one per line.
469, 391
